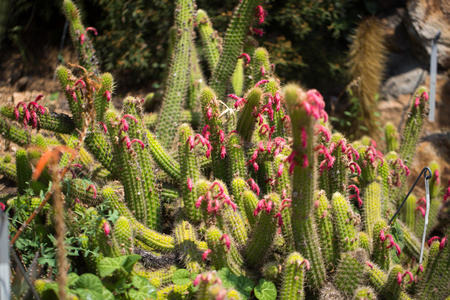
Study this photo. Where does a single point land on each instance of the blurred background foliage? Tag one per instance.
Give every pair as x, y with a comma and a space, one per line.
308, 39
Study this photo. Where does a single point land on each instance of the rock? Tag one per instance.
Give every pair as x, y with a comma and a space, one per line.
22, 83
423, 19
402, 84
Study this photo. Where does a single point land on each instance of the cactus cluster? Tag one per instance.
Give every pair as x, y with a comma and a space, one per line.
259, 186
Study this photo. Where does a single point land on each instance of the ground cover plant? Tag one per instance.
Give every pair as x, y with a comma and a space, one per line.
238, 188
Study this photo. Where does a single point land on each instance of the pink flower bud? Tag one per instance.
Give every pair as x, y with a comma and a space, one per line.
80, 81
306, 262
94, 189
199, 201
82, 37
107, 94
2, 206
190, 185
139, 142
305, 161
221, 136
227, 241
382, 236
411, 278
399, 278
257, 31
209, 113
443, 242
246, 56
91, 29
432, 239
204, 256
106, 228
261, 82
262, 70
280, 169
16, 113
369, 264
105, 129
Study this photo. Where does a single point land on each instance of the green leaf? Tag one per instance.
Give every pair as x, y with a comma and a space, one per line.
229, 280
140, 282
240, 283
71, 278
89, 294
244, 285
89, 282
108, 265
107, 295
266, 290
129, 262
142, 295
181, 277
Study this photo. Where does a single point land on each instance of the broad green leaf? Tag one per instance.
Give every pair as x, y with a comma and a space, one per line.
89, 282
129, 262
181, 277
229, 280
244, 286
140, 282
240, 283
89, 294
108, 265
142, 294
266, 290
71, 278
107, 295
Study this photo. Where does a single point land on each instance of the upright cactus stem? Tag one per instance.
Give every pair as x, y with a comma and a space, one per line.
247, 118
293, 277
178, 77
304, 109
232, 45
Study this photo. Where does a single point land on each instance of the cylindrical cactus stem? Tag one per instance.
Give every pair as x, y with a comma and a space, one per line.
369, 161
273, 91
247, 118
372, 206
103, 96
435, 282
80, 39
293, 277
337, 174
82, 190
235, 151
232, 45
380, 254
344, 221
162, 158
410, 213
264, 231
196, 79
273, 271
304, 110
154, 239
250, 202
189, 171
384, 171
210, 39
260, 64
157, 278
105, 239
237, 79
129, 170
123, 232
173, 291
178, 77
393, 286
60, 123
364, 242
238, 186
24, 171
391, 136
13, 133
214, 128
223, 252
365, 293
100, 148
67, 81
136, 132
185, 242
412, 243
350, 270
323, 215
388, 285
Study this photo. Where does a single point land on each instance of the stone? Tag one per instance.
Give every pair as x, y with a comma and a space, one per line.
423, 19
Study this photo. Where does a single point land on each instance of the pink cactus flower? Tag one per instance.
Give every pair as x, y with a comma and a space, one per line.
227, 241
107, 94
106, 228
190, 185
246, 56
204, 256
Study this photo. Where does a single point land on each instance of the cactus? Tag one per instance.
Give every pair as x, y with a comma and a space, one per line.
258, 189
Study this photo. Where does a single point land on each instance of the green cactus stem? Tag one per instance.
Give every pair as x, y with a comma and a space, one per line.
391, 136
14, 134
372, 206
189, 171
344, 221
100, 148
232, 45
80, 37
365, 293
264, 232
349, 271
123, 232
380, 254
247, 119
152, 238
24, 171
237, 79
185, 242
103, 96
293, 277
323, 216
178, 77
81, 190
169, 165
137, 132
235, 152
210, 39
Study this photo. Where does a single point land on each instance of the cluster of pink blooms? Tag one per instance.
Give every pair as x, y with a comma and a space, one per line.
268, 206
422, 206
83, 35
447, 192
204, 140
383, 237
423, 96
124, 126
261, 14
399, 168
207, 278
356, 195
442, 244
30, 112
215, 201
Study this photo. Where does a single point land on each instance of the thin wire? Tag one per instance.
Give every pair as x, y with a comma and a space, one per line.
427, 177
